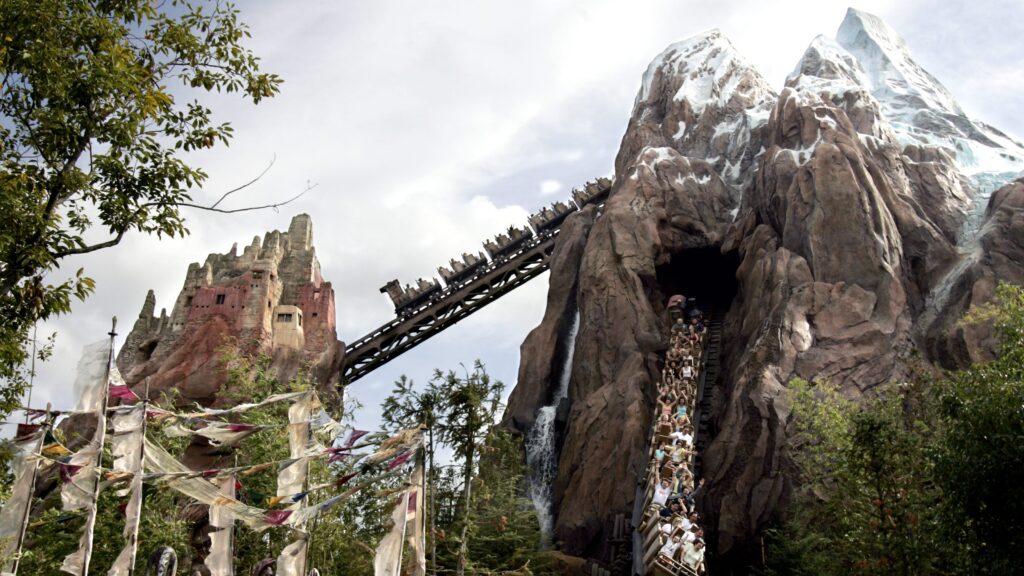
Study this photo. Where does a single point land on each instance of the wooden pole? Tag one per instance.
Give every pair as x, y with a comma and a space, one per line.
28, 504
100, 436
133, 537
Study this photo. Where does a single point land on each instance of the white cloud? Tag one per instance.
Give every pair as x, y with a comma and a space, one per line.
429, 125
549, 187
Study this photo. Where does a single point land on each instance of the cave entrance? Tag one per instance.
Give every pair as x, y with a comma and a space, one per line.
705, 274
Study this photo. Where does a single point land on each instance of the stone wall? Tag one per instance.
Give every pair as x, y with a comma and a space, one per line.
234, 299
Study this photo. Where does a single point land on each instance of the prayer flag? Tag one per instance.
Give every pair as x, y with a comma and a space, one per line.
388, 559
292, 560
402, 459
219, 560
16, 509
276, 517
416, 532
355, 435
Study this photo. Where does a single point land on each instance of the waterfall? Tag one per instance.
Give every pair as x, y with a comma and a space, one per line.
541, 452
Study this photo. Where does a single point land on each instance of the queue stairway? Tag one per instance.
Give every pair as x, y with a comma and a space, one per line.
650, 525
707, 386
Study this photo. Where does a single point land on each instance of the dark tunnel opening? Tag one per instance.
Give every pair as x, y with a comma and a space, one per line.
705, 274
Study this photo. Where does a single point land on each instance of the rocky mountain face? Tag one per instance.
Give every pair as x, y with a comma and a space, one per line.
270, 299
829, 224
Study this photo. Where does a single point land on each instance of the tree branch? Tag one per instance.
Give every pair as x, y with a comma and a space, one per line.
212, 208
250, 183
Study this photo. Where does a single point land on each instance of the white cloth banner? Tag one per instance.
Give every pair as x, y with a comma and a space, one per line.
416, 532
74, 562
91, 382
156, 459
292, 478
227, 434
79, 491
222, 522
293, 558
13, 515
388, 559
79, 476
274, 398
126, 446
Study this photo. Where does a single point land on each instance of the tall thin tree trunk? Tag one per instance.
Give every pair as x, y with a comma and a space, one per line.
432, 494
466, 494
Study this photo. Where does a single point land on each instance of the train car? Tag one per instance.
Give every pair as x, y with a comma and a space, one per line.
410, 298
462, 270
507, 244
596, 191
550, 218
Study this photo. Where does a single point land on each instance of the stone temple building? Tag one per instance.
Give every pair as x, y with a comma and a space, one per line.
270, 299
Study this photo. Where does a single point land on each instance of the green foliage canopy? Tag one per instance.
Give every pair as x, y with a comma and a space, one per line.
925, 479
95, 119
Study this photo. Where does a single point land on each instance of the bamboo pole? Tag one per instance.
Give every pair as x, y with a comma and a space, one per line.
134, 536
101, 433
28, 504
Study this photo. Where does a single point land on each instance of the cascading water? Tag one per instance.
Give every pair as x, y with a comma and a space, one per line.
541, 451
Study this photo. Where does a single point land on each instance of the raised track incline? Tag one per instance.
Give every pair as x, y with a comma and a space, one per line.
400, 335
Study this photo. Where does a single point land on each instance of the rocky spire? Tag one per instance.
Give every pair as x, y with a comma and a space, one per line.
918, 106
704, 100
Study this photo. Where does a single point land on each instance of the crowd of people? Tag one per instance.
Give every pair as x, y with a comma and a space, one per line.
673, 538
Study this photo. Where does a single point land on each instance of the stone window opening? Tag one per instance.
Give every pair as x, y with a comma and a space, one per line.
257, 274
188, 301
314, 314
316, 295
285, 318
146, 350
220, 299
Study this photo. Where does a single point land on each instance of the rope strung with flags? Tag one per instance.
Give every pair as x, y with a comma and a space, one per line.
139, 459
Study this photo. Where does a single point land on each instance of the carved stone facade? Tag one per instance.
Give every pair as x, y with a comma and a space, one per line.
269, 299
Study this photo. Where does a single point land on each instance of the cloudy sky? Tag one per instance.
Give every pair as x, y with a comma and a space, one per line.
428, 126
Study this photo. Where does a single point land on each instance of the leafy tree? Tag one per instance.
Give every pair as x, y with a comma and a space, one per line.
470, 405
979, 462
92, 136
924, 479
865, 503
504, 530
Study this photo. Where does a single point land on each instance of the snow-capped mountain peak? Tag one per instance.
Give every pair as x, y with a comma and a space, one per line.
711, 69
892, 73
826, 63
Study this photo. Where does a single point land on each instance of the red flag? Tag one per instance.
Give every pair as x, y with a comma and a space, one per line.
355, 435
26, 430
276, 517
122, 392
402, 459
67, 471
344, 479
35, 414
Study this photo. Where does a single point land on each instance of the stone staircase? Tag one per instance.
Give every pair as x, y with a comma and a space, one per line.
707, 384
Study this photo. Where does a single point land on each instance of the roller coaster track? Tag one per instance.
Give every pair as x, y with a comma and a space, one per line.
404, 333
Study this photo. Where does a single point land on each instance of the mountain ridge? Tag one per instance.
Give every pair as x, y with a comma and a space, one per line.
830, 231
